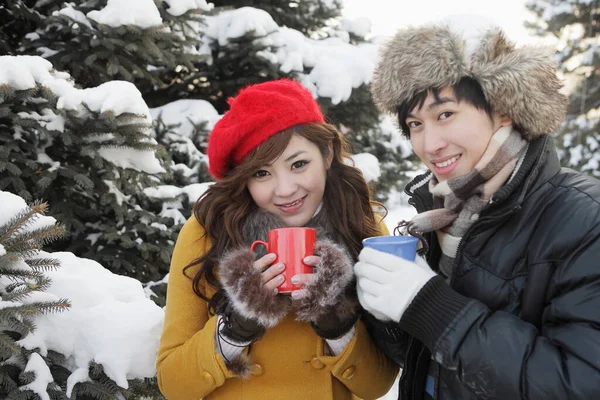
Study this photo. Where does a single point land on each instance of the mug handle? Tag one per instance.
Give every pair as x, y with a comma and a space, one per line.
259, 242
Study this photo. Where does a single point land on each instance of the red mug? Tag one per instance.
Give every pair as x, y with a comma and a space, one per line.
290, 246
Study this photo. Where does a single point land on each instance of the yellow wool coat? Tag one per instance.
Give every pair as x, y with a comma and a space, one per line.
289, 362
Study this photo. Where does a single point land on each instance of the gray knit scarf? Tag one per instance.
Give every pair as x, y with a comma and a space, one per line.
458, 202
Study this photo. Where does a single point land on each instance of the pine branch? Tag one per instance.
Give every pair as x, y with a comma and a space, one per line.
21, 326
29, 243
43, 264
34, 309
19, 222
8, 347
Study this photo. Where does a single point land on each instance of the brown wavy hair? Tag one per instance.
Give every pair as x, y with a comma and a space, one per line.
221, 210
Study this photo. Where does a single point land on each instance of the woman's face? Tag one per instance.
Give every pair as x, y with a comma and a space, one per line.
292, 185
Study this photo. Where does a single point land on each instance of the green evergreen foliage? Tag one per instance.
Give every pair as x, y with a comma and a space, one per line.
96, 200
94, 53
101, 387
361, 122
17, 18
575, 25
228, 69
186, 159
21, 274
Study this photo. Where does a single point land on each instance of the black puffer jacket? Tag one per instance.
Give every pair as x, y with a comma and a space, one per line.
520, 318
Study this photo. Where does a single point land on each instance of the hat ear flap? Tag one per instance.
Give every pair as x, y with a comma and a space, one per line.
521, 83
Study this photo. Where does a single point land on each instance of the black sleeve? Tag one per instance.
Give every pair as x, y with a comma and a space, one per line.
388, 337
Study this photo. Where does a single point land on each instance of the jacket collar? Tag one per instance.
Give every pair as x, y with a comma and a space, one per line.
540, 164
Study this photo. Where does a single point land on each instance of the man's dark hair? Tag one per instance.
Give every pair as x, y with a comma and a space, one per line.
467, 89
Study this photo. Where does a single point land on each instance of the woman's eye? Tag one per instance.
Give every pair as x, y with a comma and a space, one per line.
299, 164
260, 174
413, 124
446, 114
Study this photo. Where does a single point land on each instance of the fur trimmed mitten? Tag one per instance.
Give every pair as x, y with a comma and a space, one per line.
244, 287
248, 309
330, 303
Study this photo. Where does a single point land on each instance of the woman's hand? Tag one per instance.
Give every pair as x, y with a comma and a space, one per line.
271, 275
327, 298
304, 279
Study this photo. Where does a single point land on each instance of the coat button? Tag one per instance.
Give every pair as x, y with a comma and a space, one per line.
316, 363
208, 378
257, 370
349, 372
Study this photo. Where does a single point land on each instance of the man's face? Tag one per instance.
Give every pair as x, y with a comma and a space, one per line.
450, 137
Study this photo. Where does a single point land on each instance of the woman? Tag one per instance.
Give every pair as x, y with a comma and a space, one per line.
228, 333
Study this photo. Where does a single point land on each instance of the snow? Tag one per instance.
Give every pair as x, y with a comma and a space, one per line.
22, 72
389, 127
43, 376
142, 13
140, 160
553, 10
74, 14
187, 113
164, 192
328, 60
13, 204
43, 158
471, 27
110, 321
117, 97
360, 27
587, 58
114, 97
237, 23
149, 285
180, 7
119, 196
49, 119
369, 166
336, 66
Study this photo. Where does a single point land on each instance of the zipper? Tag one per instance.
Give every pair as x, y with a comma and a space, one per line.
414, 381
403, 376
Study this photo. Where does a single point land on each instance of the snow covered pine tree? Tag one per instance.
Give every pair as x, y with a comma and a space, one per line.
574, 23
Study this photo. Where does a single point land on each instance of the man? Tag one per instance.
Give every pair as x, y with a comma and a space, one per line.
507, 303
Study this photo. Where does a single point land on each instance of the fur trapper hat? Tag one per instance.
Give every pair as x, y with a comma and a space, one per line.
518, 82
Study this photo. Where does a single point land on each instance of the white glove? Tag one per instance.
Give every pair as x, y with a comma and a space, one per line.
387, 284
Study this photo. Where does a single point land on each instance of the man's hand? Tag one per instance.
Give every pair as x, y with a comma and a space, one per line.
387, 284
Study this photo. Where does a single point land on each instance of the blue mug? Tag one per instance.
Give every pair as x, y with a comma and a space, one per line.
401, 246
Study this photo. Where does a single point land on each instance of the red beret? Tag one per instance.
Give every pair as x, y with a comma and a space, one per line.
255, 114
